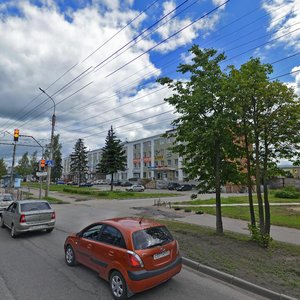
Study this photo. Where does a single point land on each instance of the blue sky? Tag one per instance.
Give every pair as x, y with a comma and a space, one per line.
66, 48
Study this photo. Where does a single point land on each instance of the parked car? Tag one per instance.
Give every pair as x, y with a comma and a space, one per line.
28, 215
184, 187
173, 185
100, 182
116, 183
85, 184
126, 183
5, 201
132, 254
135, 188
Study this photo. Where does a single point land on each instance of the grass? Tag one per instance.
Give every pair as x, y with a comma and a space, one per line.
100, 194
287, 216
276, 268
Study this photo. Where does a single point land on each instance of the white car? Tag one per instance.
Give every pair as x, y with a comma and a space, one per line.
135, 188
5, 201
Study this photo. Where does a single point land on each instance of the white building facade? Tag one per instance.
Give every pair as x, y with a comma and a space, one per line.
148, 158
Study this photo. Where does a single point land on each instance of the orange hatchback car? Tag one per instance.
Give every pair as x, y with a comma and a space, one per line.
132, 254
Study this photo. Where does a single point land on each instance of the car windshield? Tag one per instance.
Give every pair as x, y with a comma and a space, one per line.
6, 198
35, 206
151, 237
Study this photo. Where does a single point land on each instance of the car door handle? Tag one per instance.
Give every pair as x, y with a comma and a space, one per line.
111, 253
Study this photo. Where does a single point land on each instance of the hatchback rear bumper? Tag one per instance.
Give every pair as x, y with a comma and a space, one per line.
142, 280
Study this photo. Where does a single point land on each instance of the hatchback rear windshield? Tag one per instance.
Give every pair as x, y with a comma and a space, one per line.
151, 237
35, 206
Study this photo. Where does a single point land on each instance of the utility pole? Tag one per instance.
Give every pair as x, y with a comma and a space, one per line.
51, 144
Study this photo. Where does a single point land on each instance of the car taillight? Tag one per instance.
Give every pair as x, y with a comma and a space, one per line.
135, 260
53, 215
22, 219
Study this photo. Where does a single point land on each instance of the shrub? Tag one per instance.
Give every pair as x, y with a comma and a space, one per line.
187, 210
263, 240
199, 212
177, 208
287, 193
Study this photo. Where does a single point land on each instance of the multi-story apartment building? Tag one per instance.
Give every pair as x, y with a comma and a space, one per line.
149, 158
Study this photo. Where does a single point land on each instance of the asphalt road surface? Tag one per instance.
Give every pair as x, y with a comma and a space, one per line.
32, 267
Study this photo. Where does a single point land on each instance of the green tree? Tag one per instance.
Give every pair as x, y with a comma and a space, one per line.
79, 161
3, 170
23, 168
269, 120
203, 134
34, 164
56, 171
113, 156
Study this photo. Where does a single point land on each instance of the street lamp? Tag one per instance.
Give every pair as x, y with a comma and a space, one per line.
51, 144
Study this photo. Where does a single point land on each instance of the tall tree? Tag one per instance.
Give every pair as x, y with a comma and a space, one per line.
270, 121
3, 170
79, 161
56, 171
113, 156
203, 133
23, 168
34, 164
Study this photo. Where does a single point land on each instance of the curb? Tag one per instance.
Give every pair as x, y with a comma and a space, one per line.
235, 281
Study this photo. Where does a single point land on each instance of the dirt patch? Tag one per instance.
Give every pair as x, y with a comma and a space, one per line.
276, 268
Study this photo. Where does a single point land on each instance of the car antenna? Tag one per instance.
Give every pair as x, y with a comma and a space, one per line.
141, 219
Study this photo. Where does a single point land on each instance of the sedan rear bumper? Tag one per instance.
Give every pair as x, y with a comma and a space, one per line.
35, 227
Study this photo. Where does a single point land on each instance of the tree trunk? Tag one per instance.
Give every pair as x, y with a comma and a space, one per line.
266, 194
249, 183
111, 181
219, 224
258, 189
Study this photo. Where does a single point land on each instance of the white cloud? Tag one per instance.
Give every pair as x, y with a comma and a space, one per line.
290, 9
296, 85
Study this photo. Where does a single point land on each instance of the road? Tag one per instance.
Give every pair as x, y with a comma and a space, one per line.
32, 267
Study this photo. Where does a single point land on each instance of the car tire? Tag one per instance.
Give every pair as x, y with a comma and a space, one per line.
49, 230
13, 232
70, 256
1, 222
118, 286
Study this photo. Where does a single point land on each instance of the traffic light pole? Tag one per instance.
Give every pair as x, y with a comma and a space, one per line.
12, 166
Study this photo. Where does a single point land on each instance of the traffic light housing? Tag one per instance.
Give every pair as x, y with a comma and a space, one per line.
16, 135
42, 164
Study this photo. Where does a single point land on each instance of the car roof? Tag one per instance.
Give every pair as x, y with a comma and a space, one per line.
31, 201
131, 224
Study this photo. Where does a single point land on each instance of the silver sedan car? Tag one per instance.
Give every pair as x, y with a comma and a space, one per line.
28, 215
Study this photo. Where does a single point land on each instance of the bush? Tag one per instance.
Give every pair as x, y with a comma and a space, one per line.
187, 210
177, 208
263, 240
287, 193
199, 212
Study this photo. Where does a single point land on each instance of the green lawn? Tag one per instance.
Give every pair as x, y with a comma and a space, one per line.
288, 216
100, 194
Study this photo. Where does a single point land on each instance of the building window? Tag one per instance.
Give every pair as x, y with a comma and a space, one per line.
169, 162
176, 162
162, 163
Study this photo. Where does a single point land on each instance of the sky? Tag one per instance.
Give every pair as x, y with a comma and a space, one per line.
99, 61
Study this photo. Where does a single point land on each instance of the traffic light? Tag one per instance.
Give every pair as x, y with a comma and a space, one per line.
16, 135
42, 164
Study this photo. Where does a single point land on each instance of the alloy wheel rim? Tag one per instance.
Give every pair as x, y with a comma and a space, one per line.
117, 286
69, 255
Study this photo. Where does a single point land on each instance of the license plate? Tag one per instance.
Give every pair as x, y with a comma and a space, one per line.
161, 255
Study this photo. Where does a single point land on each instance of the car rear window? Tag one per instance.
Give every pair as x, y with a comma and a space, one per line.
35, 206
151, 237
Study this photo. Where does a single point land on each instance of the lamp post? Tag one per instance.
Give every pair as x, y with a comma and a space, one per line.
51, 144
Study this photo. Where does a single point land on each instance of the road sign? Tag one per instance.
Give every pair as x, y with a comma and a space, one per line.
49, 163
40, 174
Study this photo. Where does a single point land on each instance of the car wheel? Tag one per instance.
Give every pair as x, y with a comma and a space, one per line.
118, 286
13, 232
1, 221
70, 256
49, 230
